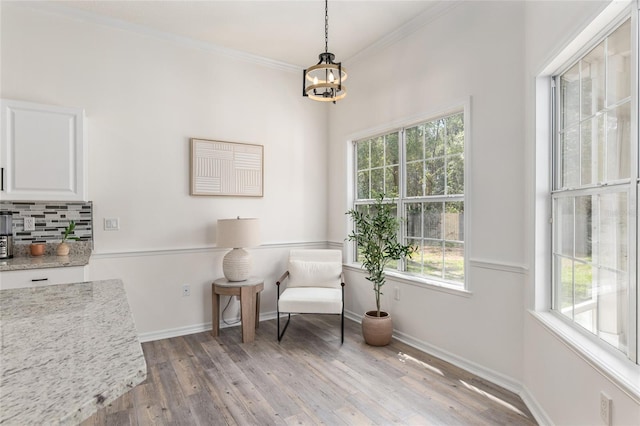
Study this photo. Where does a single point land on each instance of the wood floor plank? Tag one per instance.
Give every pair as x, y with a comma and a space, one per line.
308, 378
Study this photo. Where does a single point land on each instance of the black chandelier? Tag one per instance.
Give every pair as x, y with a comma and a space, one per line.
323, 81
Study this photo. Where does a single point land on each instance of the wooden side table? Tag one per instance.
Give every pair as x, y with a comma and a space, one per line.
249, 292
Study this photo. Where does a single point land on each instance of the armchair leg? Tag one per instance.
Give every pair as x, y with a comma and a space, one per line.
285, 326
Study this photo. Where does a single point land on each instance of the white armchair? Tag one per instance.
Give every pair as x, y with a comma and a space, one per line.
315, 285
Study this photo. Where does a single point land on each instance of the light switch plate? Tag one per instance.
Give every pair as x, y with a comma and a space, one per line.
29, 223
111, 224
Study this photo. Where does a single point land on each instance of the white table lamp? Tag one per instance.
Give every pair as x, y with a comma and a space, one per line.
238, 234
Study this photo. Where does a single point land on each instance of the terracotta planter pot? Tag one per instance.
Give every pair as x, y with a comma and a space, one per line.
62, 249
377, 331
37, 249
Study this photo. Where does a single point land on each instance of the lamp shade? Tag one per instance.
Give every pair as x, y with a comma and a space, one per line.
238, 233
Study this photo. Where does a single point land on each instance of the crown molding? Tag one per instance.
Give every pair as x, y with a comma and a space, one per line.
437, 10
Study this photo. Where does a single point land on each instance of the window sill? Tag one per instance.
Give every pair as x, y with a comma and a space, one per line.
620, 371
417, 281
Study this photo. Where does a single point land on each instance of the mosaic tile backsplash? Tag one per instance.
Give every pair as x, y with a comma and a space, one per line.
51, 218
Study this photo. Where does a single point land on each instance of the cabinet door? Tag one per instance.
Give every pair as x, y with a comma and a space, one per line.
42, 152
42, 277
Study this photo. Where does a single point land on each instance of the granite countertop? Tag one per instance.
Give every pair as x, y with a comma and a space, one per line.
22, 260
30, 262
67, 351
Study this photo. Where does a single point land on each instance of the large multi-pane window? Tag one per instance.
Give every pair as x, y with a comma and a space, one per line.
594, 194
421, 170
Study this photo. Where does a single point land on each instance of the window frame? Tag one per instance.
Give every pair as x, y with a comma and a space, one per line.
400, 126
618, 369
630, 186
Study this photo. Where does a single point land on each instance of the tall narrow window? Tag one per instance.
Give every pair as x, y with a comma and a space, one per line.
421, 169
593, 193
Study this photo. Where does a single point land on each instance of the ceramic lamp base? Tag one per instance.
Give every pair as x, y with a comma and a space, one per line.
236, 265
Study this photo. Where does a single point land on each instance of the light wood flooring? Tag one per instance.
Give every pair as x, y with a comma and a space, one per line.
307, 379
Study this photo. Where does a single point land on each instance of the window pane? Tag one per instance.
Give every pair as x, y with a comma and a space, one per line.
612, 233
435, 135
391, 150
414, 220
363, 155
563, 226
434, 177
391, 181
414, 263
455, 134
363, 185
377, 152
592, 67
454, 262
570, 96
433, 220
584, 302
583, 283
415, 173
587, 147
619, 64
455, 174
618, 142
454, 221
563, 270
592, 150
433, 254
414, 144
583, 228
570, 154
377, 182
612, 312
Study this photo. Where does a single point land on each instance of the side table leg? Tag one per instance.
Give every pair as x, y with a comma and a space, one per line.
257, 309
247, 315
215, 313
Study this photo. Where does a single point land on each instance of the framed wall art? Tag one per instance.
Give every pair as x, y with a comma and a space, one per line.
226, 168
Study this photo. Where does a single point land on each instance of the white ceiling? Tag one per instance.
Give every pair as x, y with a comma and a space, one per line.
290, 32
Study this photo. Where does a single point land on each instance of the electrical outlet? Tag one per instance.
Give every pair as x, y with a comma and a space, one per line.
186, 290
396, 294
605, 408
29, 223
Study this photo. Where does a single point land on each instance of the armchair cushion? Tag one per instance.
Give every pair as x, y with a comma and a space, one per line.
304, 273
316, 300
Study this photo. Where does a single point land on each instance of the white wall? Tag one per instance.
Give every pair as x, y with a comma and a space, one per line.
473, 51
144, 98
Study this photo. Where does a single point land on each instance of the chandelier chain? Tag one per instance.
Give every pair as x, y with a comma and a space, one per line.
326, 26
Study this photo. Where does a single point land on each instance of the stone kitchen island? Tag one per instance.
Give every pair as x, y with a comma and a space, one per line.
66, 351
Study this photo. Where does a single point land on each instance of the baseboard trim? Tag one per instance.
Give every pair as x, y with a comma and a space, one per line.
192, 329
536, 409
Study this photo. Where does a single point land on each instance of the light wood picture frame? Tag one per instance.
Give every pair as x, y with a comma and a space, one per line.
226, 168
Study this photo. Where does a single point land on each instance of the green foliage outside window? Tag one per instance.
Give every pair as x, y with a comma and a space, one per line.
433, 199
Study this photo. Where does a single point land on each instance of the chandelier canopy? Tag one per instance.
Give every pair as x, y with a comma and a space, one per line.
323, 81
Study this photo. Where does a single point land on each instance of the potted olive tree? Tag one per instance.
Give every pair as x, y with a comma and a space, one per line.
376, 236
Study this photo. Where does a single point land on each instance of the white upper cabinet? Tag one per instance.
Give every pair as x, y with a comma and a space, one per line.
43, 152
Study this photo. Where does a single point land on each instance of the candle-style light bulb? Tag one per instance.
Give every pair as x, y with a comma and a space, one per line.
331, 77
315, 80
